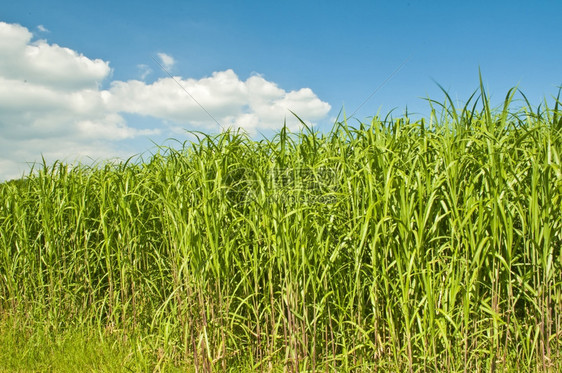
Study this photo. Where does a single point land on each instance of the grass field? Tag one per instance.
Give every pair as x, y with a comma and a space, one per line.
395, 245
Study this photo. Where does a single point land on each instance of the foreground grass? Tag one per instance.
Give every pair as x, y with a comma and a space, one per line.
39, 348
36, 350
431, 245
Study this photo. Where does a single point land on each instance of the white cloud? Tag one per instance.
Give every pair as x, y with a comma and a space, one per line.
42, 28
252, 104
52, 104
46, 64
166, 60
144, 71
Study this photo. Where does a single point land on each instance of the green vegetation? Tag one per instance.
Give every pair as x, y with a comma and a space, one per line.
399, 245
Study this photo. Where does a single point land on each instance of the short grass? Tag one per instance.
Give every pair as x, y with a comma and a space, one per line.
37, 350
395, 245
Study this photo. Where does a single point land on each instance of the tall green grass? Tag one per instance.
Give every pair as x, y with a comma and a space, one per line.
427, 245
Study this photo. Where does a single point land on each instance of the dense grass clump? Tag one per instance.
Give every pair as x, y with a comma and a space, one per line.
428, 245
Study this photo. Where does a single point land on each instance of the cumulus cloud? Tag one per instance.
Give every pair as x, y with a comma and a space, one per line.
46, 64
52, 104
166, 60
253, 104
42, 28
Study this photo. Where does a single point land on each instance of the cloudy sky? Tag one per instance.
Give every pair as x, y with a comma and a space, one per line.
83, 80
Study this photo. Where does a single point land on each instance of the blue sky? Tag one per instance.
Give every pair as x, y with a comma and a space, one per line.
79, 79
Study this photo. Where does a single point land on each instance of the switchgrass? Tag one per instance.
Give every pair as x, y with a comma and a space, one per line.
395, 245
